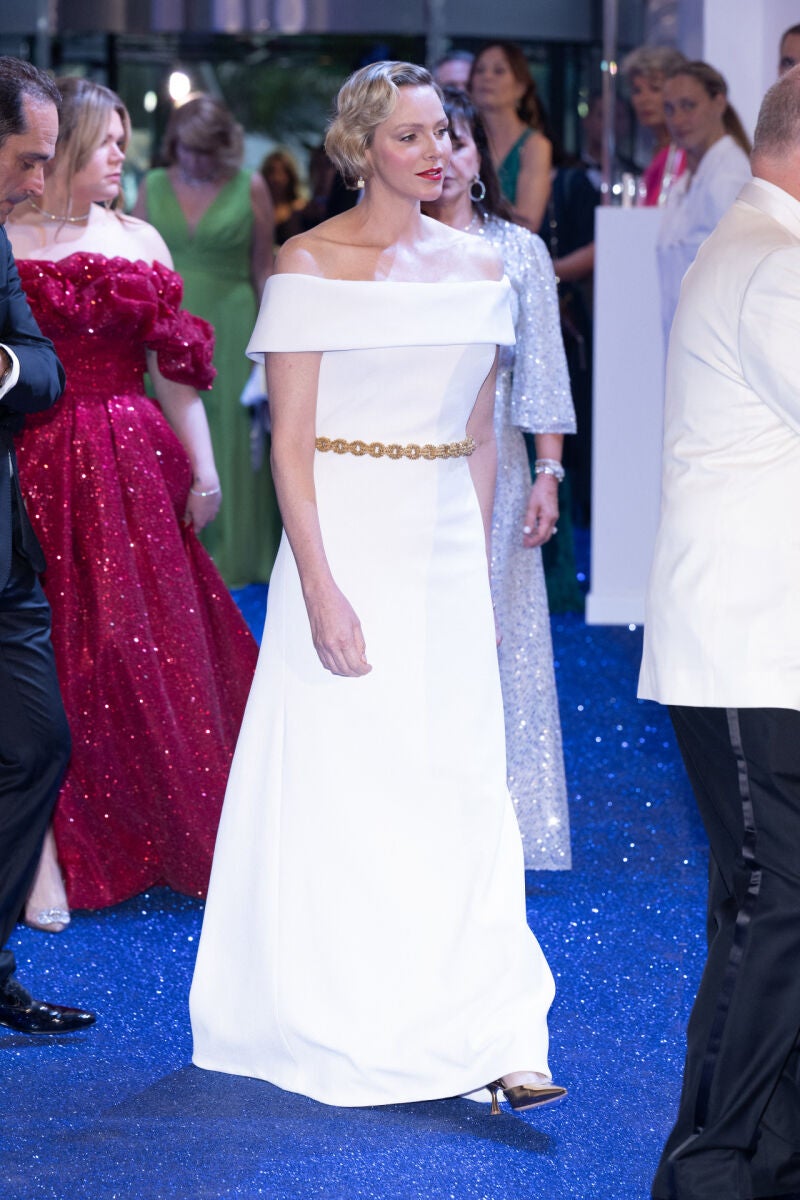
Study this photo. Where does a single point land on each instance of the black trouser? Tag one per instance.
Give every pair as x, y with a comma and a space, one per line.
34, 740
737, 1134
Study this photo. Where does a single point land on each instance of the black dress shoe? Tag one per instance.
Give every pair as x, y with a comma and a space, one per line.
18, 1010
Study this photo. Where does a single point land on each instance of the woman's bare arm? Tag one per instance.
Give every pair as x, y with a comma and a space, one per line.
335, 629
483, 460
533, 182
185, 412
261, 250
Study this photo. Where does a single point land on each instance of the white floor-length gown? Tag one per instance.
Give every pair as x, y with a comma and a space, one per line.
365, 939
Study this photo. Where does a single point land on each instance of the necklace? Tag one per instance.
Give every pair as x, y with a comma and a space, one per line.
475, 225
55, 217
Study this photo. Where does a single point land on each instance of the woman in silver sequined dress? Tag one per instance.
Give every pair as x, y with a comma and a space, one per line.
533, 396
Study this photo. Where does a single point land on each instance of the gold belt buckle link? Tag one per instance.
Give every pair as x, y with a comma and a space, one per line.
394, 450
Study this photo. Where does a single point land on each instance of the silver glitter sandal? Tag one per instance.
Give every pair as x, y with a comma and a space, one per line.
49, 920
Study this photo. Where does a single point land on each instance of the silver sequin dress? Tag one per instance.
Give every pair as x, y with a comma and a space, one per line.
533, 395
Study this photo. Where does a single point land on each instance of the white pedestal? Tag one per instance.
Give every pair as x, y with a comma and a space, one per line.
628, 414
742, 40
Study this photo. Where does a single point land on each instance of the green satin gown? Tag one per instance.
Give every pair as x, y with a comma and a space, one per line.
214, 263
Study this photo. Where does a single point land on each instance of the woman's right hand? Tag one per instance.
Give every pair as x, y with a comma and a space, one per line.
336, 634
202, 503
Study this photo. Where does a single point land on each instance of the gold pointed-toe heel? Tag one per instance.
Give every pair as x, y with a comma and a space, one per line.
525, 1095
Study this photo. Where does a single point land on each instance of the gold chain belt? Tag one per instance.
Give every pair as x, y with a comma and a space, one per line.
395, 450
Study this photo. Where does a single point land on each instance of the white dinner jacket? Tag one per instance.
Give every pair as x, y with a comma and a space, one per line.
722, 625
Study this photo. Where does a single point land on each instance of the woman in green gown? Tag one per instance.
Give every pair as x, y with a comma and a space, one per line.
503, 91
217, 222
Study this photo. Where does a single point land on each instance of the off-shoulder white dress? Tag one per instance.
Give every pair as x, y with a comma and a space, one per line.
365, 938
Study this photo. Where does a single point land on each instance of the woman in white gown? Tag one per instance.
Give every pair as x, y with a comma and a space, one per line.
365, 939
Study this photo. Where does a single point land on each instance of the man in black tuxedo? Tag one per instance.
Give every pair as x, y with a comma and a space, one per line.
34, 738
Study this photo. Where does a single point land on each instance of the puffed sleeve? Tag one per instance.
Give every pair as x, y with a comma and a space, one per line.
184, 344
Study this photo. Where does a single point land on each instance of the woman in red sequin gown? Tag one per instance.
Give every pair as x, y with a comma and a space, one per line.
154, 659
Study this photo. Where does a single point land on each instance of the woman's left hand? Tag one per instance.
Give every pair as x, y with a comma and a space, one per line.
541, 516
201, 509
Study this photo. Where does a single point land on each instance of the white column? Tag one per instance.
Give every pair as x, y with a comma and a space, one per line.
628, 413
741, 39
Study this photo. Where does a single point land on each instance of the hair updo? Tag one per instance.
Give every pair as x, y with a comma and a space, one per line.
654, 63
364, 102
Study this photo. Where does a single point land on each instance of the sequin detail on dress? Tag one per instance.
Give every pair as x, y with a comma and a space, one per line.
533, 394
154, 659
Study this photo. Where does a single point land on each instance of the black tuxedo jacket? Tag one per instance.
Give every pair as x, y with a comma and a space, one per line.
40, 383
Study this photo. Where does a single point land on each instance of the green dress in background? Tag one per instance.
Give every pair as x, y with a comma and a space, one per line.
214, 263
558, 555
508, 170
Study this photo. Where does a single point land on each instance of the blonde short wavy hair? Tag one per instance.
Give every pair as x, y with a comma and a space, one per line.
364, 102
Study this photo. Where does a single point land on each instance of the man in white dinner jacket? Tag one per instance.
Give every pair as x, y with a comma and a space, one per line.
722, 649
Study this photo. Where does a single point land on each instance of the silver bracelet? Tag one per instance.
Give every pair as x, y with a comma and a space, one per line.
213, 492
549, 466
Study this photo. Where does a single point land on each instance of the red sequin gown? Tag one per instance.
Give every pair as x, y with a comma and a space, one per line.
154, 659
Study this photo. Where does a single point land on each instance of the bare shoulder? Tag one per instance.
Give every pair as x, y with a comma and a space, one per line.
325, 250
24, 237
299, 256
139, 239
487, 259
258, 188
537, 150
464, 258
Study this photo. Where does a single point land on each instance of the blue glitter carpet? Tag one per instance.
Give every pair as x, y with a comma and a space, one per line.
119, 1114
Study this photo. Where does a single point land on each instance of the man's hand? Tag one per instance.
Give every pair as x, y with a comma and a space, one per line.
6, 365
